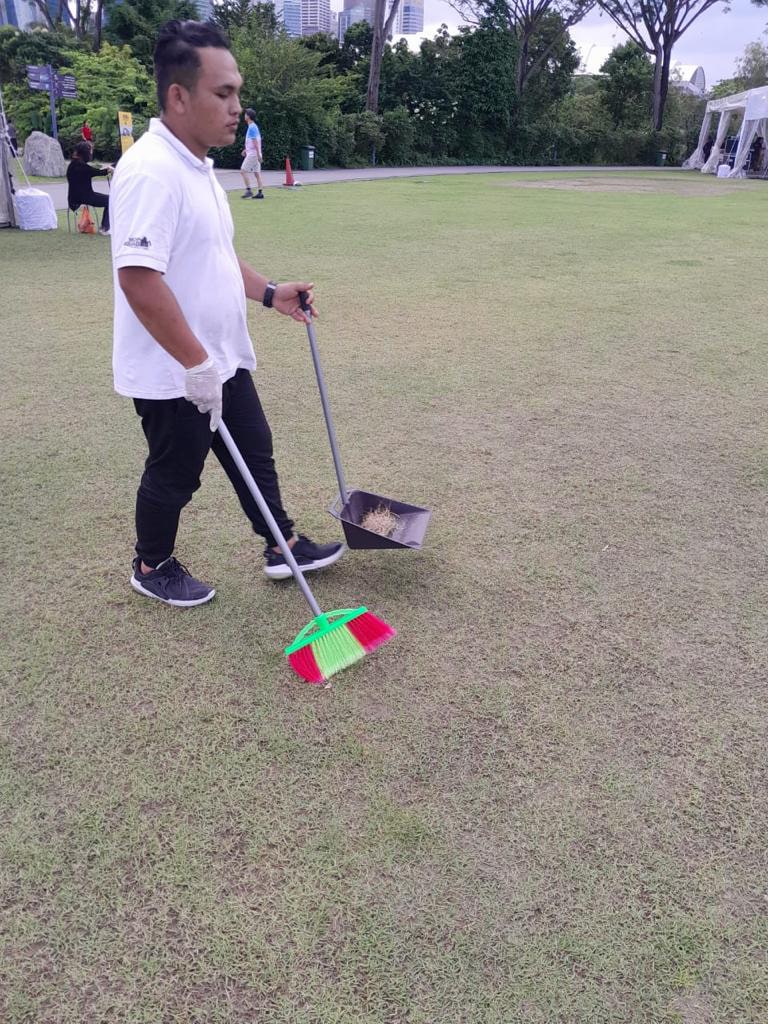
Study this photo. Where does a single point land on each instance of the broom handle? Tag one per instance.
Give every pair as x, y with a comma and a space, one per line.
304, 300
258, 497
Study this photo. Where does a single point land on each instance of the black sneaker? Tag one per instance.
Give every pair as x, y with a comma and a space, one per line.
309, 556
247, 194
259, 195
170, 583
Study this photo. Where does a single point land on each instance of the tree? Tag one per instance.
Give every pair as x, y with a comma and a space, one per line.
356, 48
256, 17
382, 30
752, 69
295, 104
229, 14
136, 23
52, 17
656, 26
625, 88
327, 46
107, 81
37, 46
525, 19
112, 79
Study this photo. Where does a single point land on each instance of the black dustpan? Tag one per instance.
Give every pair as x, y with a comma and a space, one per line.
412, 521
351, 507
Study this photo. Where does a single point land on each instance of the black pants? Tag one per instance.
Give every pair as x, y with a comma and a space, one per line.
179, 439
102, 201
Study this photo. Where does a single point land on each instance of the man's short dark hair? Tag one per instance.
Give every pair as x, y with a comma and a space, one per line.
250, 112
176, 57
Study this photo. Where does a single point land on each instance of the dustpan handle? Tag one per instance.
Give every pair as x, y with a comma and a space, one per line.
257, 496
304, 301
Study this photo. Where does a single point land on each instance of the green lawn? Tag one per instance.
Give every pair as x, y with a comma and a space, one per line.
545, 801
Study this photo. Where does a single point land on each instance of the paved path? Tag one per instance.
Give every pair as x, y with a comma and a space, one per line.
231, 180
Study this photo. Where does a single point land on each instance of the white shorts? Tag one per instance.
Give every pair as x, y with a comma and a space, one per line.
251, 163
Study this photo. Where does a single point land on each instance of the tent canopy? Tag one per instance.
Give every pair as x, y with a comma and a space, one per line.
753, 104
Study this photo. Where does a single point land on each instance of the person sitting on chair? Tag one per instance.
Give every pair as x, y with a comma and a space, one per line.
79, 176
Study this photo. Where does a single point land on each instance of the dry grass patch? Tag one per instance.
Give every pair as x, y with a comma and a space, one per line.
545, 802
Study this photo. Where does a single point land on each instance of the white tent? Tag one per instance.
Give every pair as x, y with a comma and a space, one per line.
7, 211
753, 105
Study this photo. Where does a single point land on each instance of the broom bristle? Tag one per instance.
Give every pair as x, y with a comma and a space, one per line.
370, 631
325, 647
337, 650
303, 663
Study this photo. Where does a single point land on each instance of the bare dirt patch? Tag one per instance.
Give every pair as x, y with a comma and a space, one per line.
638, 186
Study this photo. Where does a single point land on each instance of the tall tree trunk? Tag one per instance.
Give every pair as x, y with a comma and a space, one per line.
658, 102
666, 66
521, 73
97, 26
377, 52
42, 8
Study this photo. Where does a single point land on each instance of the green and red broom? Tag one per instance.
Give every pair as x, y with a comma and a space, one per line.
333, 640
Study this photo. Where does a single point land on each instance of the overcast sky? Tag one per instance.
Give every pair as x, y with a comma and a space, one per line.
715, 41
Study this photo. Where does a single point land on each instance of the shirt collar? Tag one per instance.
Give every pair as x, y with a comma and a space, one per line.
156, 127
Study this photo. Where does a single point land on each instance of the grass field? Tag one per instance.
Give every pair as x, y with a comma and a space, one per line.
545, 801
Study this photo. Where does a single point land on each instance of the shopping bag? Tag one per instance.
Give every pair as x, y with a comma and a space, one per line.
85, 222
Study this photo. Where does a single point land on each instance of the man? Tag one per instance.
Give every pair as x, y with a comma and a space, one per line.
181, 344
252, 153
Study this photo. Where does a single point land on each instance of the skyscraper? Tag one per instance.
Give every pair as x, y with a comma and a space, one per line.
354, 11
315, 16
288, 14
23, 13
410, 19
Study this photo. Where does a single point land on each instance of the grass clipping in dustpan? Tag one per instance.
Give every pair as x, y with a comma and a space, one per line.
381, 520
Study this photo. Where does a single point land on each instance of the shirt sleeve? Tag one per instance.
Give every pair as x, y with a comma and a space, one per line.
143, 213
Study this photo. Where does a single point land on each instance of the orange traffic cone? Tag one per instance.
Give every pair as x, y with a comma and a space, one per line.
289, 179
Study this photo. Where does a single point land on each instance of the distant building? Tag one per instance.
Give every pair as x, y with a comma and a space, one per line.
204, 9
354, 11
288, 14
410, 18
315, 16
24, 14
688, 78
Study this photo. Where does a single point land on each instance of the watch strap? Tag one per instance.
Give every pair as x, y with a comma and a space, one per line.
269, 294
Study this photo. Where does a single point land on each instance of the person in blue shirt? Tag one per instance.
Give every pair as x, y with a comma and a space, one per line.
252, 156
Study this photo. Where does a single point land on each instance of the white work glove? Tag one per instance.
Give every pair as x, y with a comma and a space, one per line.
203, 389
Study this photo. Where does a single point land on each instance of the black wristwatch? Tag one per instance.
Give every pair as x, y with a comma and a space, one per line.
269, 294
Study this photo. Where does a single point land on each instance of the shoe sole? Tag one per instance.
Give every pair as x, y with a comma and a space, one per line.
176, 604
283, 572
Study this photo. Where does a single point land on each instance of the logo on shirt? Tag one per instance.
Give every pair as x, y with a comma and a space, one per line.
138, 243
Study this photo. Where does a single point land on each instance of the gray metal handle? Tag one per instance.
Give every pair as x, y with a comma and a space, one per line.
258, 497
304, 301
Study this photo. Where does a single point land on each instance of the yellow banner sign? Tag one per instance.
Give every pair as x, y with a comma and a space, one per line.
125, 120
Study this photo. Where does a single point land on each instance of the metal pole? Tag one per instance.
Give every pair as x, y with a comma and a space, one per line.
52, 95
257, 496
313, 346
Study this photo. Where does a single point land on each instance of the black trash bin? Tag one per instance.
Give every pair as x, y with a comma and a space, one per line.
307, 158
661, 157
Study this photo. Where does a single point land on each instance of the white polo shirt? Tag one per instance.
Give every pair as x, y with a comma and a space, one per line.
168, 213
